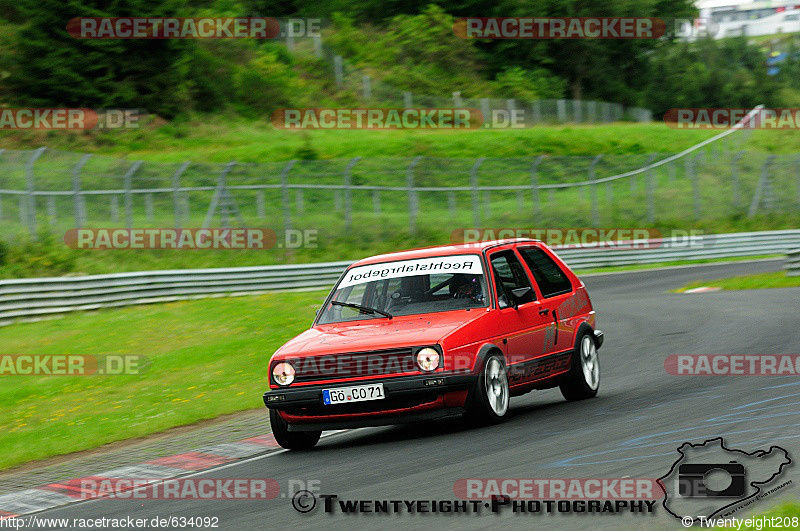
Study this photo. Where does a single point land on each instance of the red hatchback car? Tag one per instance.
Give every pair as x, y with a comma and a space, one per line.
436, 332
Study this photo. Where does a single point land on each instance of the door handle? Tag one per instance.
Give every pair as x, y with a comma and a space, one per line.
544, 311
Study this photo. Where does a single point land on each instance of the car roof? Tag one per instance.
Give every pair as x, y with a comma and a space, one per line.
440, 250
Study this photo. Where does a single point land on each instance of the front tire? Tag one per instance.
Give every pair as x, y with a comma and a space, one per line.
291, 440
491, 395
583, 379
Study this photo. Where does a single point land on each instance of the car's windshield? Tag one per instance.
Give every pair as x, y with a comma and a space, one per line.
407, 287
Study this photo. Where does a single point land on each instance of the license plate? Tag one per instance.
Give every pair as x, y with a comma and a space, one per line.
358, 393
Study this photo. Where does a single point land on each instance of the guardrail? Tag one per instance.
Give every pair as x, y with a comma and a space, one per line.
35, 297
793, 263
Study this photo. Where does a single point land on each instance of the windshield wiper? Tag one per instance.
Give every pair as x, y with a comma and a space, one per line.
362, 308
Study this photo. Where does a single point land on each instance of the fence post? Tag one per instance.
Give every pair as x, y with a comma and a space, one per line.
650, 160
376, 201
1, 195
592, 177
126, 180
451, 204
650, 187
317, 46
413, 207
473, 180
148, 206
511, 105
366, 87
537, 112
486, 111
520, 200
31, 206
591, 110
577, 111
51, 209
114, 208
737, 202
219, 196
561, 110
299, 202
261, 210
290, 37
457, 103
76, 190
671, 171
535, 186
287, 209
407, 101
762, 189
797, 178
176, 194
338, 70
348, 194
695, 187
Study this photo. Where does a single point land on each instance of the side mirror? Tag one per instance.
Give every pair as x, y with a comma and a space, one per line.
502, 302
520, 293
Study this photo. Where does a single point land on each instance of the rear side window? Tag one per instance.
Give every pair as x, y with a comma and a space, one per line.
551, 279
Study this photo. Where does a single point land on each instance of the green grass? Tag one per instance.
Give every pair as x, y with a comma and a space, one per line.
641, 267
208, 358
758, 281
788, 509
222, 138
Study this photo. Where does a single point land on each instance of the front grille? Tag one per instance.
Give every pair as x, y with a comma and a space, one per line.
361, 407
354, 365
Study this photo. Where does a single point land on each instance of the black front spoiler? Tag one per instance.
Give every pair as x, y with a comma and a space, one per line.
430, 385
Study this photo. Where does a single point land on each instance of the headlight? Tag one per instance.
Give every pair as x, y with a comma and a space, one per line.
283, 373
428, 359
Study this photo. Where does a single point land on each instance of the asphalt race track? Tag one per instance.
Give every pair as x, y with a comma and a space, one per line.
632, 429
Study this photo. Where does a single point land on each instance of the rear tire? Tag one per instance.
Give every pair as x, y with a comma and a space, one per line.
491, 395
291, 440
583, 379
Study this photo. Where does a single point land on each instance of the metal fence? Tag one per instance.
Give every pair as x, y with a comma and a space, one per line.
364, 196
36, 297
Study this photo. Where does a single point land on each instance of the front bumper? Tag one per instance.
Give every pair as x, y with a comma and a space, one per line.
306, 401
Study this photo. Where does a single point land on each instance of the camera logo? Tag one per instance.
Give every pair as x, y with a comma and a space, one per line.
693, 480
709, 479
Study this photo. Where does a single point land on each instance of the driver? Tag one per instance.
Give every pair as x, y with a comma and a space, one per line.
463, 286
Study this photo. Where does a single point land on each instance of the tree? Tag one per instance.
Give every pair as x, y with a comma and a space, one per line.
52, 68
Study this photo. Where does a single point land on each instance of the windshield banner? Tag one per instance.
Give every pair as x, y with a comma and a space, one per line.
467, 264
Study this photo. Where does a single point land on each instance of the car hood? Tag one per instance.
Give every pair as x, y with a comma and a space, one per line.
378, 334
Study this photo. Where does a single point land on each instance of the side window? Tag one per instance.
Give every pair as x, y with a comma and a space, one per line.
510, 275
550, 278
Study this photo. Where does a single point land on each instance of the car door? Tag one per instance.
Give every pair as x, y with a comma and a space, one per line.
554, 289
523, 324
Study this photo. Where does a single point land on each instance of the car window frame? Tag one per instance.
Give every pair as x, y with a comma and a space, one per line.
491, 272
571, 289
